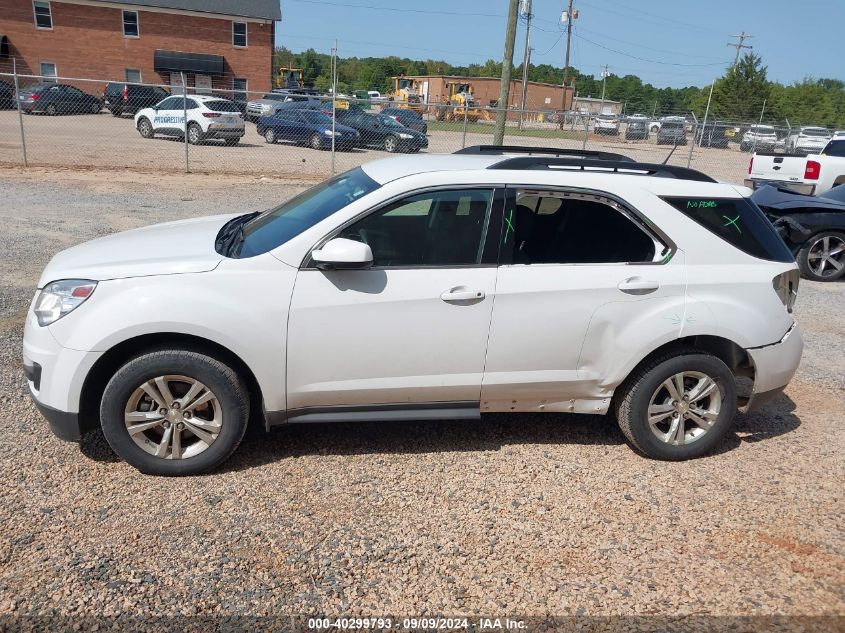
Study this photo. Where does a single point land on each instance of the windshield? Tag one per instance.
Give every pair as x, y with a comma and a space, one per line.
276, 226
221, 106
763, 129
672, 125
311, 116
815, 131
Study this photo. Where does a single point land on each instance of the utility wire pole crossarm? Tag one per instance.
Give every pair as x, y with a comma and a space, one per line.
739, 45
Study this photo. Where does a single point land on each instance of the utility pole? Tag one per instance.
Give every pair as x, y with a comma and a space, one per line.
525, 10
604, 73
334, 102
569, 17
507, 68
739, 45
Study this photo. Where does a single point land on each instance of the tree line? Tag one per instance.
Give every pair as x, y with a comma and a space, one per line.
742, 94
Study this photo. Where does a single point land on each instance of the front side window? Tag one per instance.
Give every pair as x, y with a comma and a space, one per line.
130, 24
276, 226
441, 228
572, 228
239, 34
43, 16
170, 103
739, 222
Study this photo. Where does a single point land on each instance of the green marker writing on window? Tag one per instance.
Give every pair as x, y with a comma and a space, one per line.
509, 225
732, 222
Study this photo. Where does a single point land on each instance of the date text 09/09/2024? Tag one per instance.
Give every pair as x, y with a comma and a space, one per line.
415, 624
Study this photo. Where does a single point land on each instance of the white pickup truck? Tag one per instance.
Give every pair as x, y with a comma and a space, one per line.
813, 174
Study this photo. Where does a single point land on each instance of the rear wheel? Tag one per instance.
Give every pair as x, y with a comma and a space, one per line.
194, 134
678, 406
174, 412
51, 110
316, 141
95, 108
145, 128
823, 259
270, 135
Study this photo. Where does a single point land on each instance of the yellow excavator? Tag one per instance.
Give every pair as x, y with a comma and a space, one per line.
405, 95
459, 103
290, 77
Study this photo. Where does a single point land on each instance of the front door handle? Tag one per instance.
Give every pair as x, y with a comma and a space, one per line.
462, 294
638, 286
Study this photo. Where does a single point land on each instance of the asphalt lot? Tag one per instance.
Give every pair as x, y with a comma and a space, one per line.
515, 514
105, 142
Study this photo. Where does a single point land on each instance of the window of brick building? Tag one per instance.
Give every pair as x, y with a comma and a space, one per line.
239, 34
130, 24
48, 72
133, 75
43, 16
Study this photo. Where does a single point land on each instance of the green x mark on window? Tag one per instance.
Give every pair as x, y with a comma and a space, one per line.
732, 222
509, 225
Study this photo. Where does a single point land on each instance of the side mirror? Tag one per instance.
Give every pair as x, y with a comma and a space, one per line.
343, 254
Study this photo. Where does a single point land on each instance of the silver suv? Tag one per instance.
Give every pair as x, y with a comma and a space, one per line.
274, 101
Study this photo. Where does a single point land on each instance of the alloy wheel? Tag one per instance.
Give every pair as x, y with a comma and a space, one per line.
826, 256
390, 144
684, 407
173, 417
270, 136
193, 135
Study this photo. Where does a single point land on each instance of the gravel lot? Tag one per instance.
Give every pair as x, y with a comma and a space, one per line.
516, 514
105, 142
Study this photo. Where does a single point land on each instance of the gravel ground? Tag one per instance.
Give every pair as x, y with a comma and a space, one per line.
103, 141
515, 514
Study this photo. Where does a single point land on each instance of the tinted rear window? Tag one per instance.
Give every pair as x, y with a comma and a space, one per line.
810, 131
835, 148
739, 222
221, 106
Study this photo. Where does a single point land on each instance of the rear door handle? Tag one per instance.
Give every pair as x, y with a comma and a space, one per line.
462, 293
638, 286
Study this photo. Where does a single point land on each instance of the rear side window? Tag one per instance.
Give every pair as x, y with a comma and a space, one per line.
739, 222
835, 148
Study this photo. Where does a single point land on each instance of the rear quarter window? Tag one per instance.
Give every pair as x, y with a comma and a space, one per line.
739, 222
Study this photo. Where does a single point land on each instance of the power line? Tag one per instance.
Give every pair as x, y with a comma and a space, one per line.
739, 45
643, 59
656, 50
637, 14
398, 10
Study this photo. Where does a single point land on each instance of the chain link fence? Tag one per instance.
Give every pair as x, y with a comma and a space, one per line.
97, 123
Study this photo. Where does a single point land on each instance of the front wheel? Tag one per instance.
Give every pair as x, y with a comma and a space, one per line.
678, 406
391, 144
145, 128
174, 412
823, 259
270, 135
316, 141
95, 108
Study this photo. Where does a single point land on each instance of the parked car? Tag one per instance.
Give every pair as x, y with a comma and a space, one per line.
207, 118
309, 127
382, 131
274, 101
424, 287
606, 124
807, 140
714, 134
50, 98
375, 96
759, 137
362, 99
7, 95
813, 228
123, 98
672, 131
813, 174
408, 118
637, 128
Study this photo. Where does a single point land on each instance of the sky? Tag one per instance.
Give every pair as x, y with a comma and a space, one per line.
665, 42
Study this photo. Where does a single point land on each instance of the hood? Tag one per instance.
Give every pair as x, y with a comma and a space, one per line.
185, 246
785, 200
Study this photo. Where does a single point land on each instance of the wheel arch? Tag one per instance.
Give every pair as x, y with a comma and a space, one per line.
106, 366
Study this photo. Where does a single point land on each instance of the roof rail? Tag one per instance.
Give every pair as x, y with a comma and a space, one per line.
499, 150
609, 166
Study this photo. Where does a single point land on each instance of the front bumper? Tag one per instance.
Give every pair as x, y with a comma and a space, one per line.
64, 425
774, 366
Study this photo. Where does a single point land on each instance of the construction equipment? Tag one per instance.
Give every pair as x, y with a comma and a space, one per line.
290, 77
405, 95
459, 104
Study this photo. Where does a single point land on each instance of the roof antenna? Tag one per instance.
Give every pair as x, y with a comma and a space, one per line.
674, 147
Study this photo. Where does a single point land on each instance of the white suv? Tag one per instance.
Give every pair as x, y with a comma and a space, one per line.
428, 287
208, 118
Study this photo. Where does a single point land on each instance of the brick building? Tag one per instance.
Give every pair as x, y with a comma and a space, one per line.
218, 44
539, 96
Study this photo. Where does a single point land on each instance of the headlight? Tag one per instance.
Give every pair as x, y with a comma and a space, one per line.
329, 133
60, 297
406, 136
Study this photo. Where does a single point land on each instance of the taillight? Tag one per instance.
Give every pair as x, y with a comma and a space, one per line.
811, 170
750, 164
211, 115
126, 93
34, 97
786, 287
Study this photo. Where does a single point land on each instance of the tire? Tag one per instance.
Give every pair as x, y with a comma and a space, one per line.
391, 144
194, 134
269, 135
228, 410
51, 110
316, 142
145, 128
95, 108
822, 253
655, 129
231, 142
743, 147
645, 389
